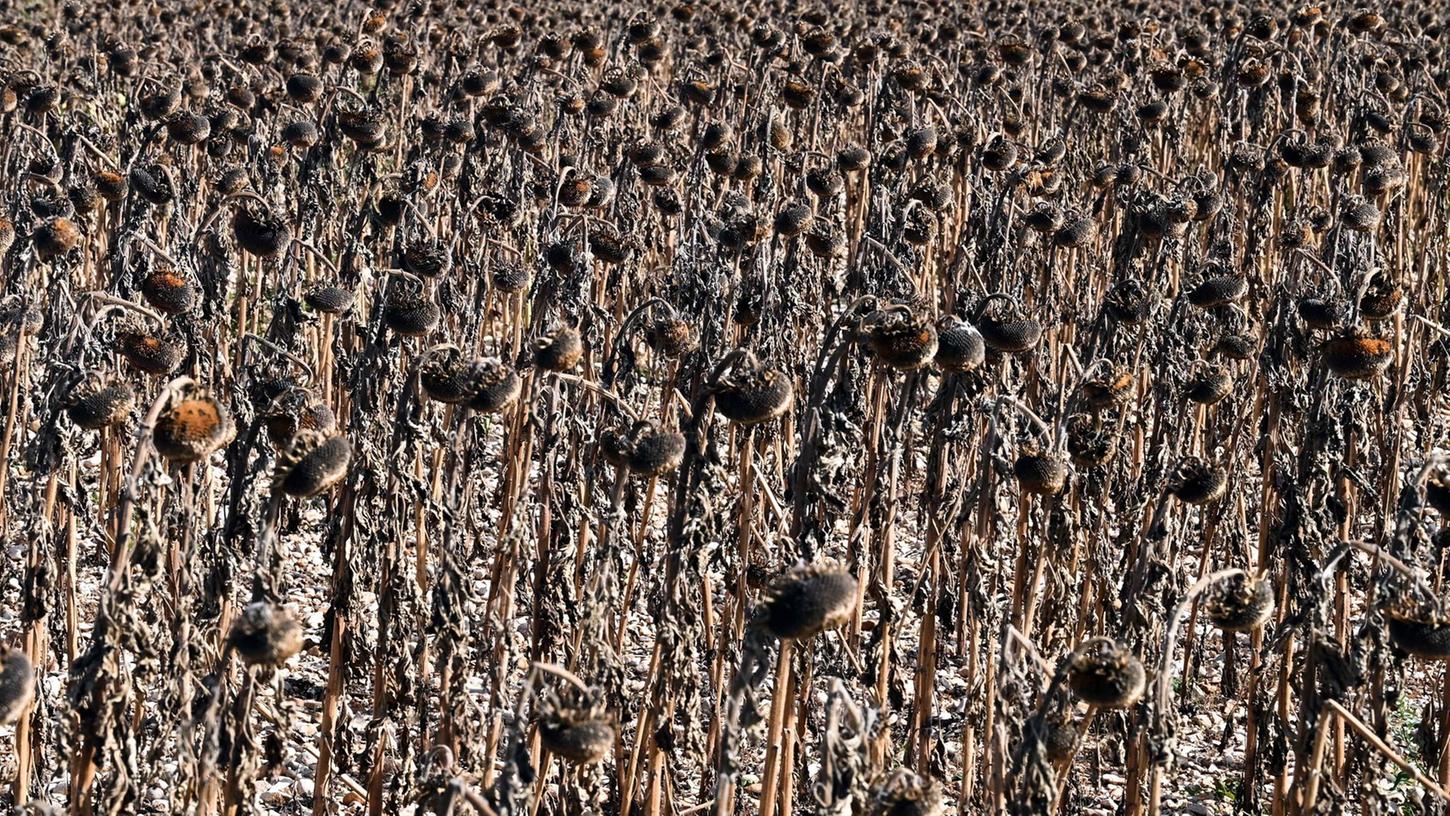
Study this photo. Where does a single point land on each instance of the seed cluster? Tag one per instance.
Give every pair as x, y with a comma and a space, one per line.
724, 406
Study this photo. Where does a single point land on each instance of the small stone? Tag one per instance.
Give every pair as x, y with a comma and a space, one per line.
278, 793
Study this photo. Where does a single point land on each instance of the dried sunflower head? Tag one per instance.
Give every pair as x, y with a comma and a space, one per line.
265, 634
1106, 674
807, 600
